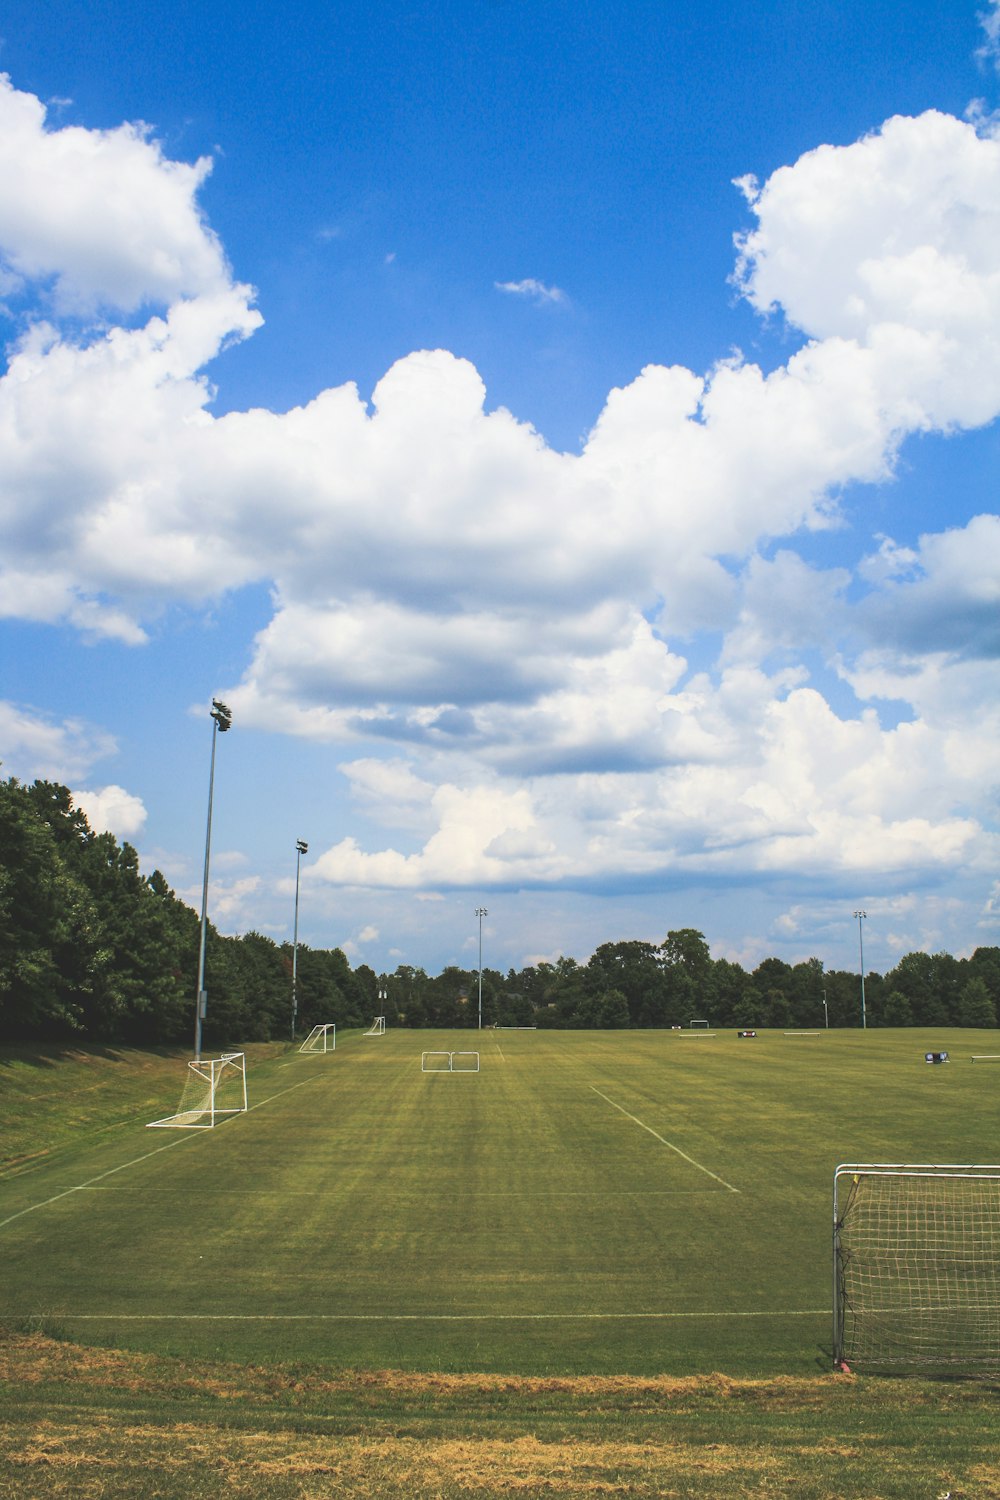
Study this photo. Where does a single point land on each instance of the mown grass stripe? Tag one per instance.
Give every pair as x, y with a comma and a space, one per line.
600, 1317
136, 1161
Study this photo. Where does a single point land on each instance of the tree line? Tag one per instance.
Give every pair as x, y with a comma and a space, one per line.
91, 949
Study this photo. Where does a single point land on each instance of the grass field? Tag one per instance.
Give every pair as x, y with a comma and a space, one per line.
570, 1241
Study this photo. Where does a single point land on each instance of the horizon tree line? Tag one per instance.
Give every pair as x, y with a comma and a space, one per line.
93, 950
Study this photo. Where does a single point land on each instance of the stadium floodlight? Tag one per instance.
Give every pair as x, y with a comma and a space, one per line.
860, 916
221, 720
481, 912
301, 847
915, 1250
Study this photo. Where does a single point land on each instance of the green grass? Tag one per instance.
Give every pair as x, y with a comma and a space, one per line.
589, 1203
384, 1283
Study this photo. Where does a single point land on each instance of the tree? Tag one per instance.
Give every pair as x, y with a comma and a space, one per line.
975, 1005
898, 1010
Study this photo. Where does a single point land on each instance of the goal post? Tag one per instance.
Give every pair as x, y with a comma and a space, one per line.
213, 1088
321, 1039
377, 1028
916, 1267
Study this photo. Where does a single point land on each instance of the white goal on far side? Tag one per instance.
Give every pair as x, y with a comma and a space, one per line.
321, 1039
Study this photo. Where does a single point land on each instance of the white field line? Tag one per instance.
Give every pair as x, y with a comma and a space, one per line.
614, 1317
669, 1144
187, 1136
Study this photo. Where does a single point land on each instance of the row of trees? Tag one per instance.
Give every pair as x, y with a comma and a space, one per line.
93, 949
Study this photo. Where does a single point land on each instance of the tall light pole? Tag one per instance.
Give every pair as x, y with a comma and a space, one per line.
221, 720
861, 915
301, 847
481, 912
826, 1010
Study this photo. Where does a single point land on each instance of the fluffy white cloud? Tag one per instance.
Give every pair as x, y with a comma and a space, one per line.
103, 214
445, 582
111, 809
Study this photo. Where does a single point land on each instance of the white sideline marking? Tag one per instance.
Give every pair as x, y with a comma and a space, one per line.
802, 1033
986, 1057
664, 1142
80, 1186
800, 1312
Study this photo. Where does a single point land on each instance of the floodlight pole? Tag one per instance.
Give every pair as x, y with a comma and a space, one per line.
861, 915
221, 720
301, 847
826, 1011
481, 912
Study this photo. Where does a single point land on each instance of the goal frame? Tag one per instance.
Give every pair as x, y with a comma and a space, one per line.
325, 1033
213, 1073
377, 1028
939, 1256
450, 1068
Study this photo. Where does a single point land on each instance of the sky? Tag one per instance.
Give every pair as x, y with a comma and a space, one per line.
565, 437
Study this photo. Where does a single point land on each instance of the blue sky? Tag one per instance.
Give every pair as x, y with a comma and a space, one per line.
568, 440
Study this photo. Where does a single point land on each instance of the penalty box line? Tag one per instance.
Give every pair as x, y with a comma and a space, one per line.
663, 1141
183, 1139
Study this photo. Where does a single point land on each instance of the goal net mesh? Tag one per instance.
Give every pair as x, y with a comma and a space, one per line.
917, 1267
212, 1087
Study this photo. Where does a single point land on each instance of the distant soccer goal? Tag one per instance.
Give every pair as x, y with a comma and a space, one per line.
695, 1025
915, 1267
449, 1062
213, 1088
377, 1028
321, 1039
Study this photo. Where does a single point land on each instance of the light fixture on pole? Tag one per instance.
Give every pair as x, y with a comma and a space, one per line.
301, 847
861, 915
481, 912
221, 720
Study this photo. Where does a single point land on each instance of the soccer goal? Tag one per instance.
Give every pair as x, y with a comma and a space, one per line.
377, 1028
213, 1087
321, 1039
449, 1062
916, 1267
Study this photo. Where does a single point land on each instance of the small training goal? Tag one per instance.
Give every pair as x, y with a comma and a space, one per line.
214, 1087
377, 1028
449, 1062
321, 1039
916, 1267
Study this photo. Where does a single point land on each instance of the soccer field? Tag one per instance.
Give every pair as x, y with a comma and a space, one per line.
587, 1202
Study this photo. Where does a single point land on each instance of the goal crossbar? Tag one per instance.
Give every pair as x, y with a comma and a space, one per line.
916, 1266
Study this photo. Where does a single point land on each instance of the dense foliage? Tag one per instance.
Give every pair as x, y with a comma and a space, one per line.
90, 947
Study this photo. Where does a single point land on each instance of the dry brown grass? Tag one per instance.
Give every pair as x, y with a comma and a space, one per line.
82, 1422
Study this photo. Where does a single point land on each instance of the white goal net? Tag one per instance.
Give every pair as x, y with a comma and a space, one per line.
321, 1039
377, 1028
213, 1087
917, 1266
